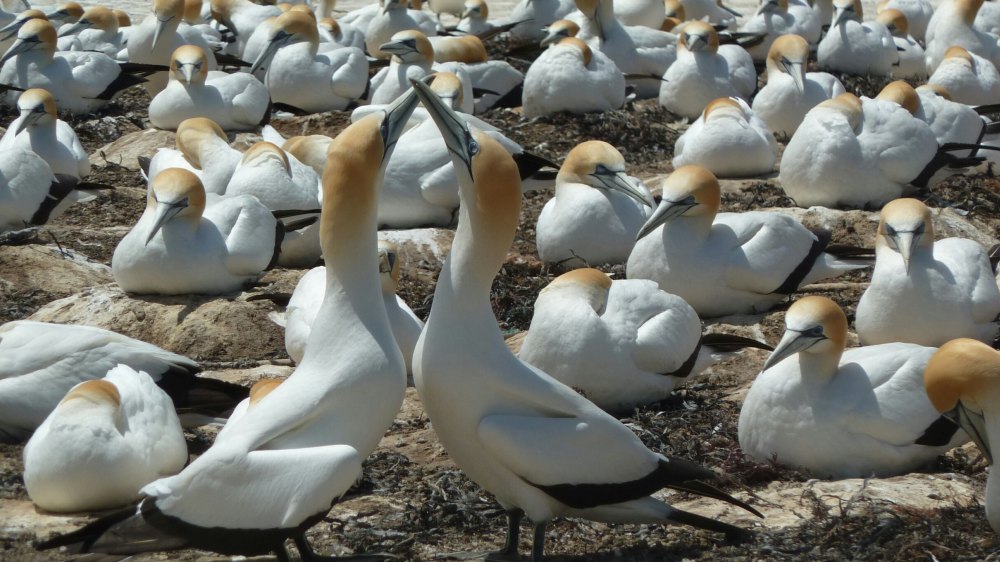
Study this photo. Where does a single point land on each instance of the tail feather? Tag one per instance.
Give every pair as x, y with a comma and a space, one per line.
192, 394
529, 164
728, 343
732, 532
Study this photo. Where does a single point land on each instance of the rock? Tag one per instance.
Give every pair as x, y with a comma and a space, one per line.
56, 271
202, 327
247, 377
126, 150
515, 341
19, 519
420, 248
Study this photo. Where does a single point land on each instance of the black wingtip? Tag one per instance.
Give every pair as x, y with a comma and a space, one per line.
727, 343
939, 433
733, 533
144, 162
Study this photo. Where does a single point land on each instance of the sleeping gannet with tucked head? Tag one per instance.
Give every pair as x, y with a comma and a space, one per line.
728, 140
104, 441
395, 16
636, 50
341, 34
202, 148
300, 315
949, 121
705, 71
842, 414
501, 81
790, 91
917, 12
39, 129
781, 17
911, 63
236, 102
535, 16
969, 78
596, 211
97, 30
155, 39
856, 47
301, 76
41, 362
514, 430
242, 17
277, 469
622, 343
570, 76
961, 381
81, 81
925, 291
729, 263
872, 150
952, 26
179, 246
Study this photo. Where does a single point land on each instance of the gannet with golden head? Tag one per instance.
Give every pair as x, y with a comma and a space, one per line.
790, 91
534, 16
179, 246
338, 33
952, 25
570, 76
559, 30
728, 263
911, 63
104, 441
514, 430
842, 413
622, 343
8, 34
775, 18
970, 78
596, 211
236, 102
931, 103
729, 140
705, 71
39, 129
712, 11
394, 17
961, 381
917, 13
854, 46
926, 291
202, 148
242, 17
155, 39
277, 470
501, 82
301, 76
412, 58
97, 30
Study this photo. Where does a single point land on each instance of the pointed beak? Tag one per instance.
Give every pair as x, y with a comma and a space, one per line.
454, 129
187, 71
56, 16
19, 46
398, 48
791, 343
622, 183
394, 122
667, 210
794, 69
76, 28
165, 212
31, 118
839, 16
974, 424
551, 37
905, 242
276, 42
10, 30
696, 42
160, 26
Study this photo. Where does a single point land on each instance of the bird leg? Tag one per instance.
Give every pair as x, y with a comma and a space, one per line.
307, 554
538, 547
509, 551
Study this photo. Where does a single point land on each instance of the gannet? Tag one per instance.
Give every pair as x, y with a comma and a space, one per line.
570, 76
341, 34
856, 47
104, 441
728, 140
394, 17
911, 62
81, 81
302, 77
674, 15
8, 34
30, 194
790, 91
621, 343
41, 362
300, 315
871, 150
242, 17
640, 51
198, 15
281, 465
155, 39
952, 26
705, 71
961, 382
918, 14
728, 263
842, 414
180, 246
97, 30
925, 291
281, 182
412, 58
534, 16
824, 10
969, 78
236, 102
500, 82
39, 129
202, 148
475, 20
647, 13
948, 120
516, 431
596, 211
781, 17
557, 31
67, 12
452, 7
713, 11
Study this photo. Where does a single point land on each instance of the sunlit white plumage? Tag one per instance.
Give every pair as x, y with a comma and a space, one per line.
202, 148
535, 15
854, 46
242, 17
837, 413
911, 63
713, 11
969, 78
569, 76
781, 17
728, 140
918, 14
412, 59
728, 263
155, 39
395, 16
97, 30
952, 25
29, 192
104, 441
39, 129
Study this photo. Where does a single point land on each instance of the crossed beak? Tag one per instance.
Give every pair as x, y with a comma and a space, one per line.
668, 210
454, 130
394, 121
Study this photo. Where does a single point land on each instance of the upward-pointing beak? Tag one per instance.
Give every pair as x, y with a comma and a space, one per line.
394, 122
791, 343
974, 424
667, 210
165, 212
621, 183
29, 119
454, 129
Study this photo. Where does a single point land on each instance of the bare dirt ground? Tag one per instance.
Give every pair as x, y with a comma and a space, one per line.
414, 503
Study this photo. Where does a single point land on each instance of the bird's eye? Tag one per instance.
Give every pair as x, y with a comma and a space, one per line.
919, 230
815, 331
601, 169
473, 147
